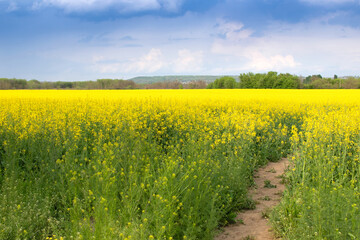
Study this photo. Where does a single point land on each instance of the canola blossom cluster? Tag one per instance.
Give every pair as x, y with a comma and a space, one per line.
175, 164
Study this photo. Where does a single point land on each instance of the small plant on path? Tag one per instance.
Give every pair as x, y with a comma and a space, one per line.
267, 184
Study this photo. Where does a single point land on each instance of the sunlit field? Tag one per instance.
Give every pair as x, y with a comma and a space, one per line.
175, 164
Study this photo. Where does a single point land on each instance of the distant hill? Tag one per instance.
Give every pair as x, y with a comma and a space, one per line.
180, 78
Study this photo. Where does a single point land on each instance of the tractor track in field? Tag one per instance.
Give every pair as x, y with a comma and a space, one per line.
267, 192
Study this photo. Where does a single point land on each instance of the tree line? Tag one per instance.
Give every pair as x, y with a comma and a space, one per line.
285, 81
13, 83
246, 80
259, 80
6, 83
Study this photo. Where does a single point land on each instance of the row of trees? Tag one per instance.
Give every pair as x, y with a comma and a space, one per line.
258, 80
246, 80
318, 82
284, 81
6, 83
223, 82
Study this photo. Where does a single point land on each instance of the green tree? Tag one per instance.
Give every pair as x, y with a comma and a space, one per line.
269, 80
224, 83
229, 82
34, 84
247, 80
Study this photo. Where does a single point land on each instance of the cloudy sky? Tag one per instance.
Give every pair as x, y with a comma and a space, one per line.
52, 40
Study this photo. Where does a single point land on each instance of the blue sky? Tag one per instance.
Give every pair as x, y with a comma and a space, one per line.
67, 40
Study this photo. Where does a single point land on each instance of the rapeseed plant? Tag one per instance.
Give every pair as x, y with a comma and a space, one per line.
165, 164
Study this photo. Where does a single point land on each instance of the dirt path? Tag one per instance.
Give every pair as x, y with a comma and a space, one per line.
254, 224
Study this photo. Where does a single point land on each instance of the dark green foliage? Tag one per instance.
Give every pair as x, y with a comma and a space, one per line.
269, 80
223, 83
318, 82
6, 83
267, 184
33, 84
229, 82
248, 80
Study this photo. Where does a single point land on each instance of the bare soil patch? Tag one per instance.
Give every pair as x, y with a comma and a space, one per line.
253, 224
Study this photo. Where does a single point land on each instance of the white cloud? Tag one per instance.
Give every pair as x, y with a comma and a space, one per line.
259, 62
101, 65
171, 5
233, 31
304, 48
119, 5
188, 61
255, 57
12, 7
108, 68
148, 63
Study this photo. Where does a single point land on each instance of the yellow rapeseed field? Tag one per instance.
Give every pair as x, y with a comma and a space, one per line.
174, 164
